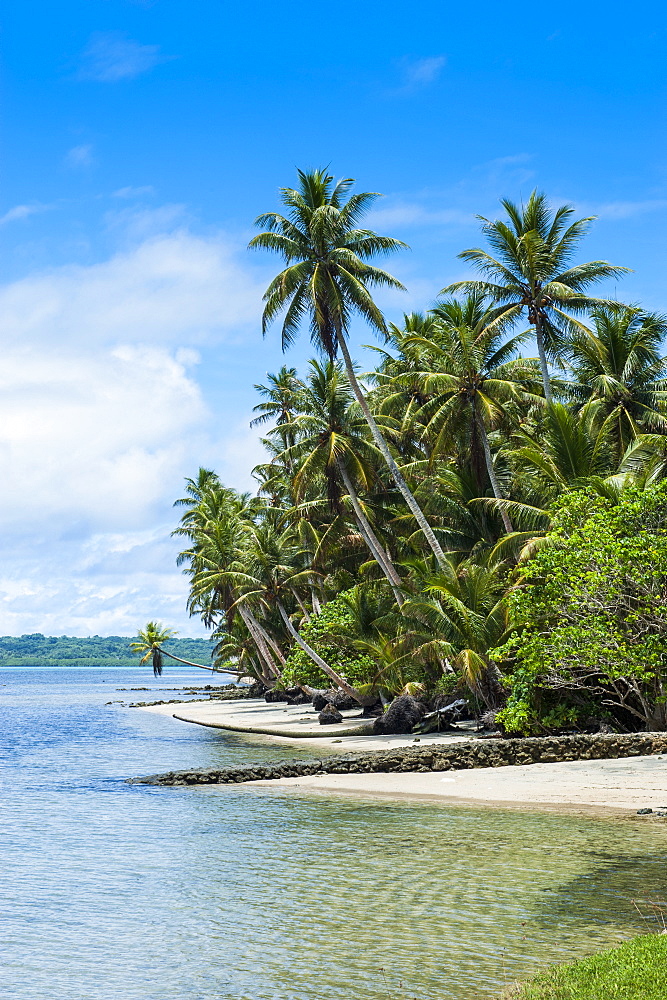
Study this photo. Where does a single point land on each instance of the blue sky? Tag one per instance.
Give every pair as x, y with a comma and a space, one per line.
141, 139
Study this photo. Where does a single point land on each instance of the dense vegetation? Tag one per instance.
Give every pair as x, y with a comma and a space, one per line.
69, 651
635, 971
461, 518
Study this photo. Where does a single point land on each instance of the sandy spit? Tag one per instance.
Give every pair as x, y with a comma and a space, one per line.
293, 724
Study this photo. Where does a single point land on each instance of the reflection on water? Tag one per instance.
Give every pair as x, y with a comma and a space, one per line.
165, 894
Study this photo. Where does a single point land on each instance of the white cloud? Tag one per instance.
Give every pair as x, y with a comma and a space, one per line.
111, 56
80, 156
21, 212
628, 209
91, 436
134, 192
110, 585
101, 417
138, 224
420, 73
239, 453
174, 289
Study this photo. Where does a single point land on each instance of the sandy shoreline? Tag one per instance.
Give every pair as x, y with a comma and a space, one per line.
597, 787
603, 787
293, 724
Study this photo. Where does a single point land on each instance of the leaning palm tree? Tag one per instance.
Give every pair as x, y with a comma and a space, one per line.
532, 270
272, 576
327, 280
150, 640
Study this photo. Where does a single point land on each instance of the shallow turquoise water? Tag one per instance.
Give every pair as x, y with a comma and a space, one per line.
111, 890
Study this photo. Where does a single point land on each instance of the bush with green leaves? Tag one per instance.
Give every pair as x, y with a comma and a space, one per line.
590, 616
331, 635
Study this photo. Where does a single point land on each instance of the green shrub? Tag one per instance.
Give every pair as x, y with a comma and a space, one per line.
590, 614
331, 635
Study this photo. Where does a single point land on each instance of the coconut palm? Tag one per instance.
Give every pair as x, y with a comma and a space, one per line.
281, 401
270, 578
327, 280
470, 375
331, 440
150, 640
459, 618
281, 397
532, 270
218, 524
563, 451
620, 374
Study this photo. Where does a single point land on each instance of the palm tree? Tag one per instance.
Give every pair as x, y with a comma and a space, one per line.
281, 400
331, 440
464, 619
218, 523
563, 451
270, 577
470, 375
150, 641
620, 374
532, 270
328, 279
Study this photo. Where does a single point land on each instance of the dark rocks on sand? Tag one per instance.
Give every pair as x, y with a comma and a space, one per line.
329, 715
272, 696
403, 713
342, 701
339, 699
320, 700
295, 696
371, 711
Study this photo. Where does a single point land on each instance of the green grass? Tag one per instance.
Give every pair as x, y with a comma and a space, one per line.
635, 971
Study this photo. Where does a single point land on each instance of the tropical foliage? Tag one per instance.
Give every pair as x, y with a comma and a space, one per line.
591, 612
464, 517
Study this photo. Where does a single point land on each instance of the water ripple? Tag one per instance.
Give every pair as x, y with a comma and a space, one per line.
146, 893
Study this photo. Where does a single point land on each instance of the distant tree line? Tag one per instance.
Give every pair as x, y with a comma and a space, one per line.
70, 651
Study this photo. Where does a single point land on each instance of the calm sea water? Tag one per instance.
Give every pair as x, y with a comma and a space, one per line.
117, 891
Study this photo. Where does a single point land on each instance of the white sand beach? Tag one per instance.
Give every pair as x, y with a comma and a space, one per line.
295, 724
589, 786
586, 786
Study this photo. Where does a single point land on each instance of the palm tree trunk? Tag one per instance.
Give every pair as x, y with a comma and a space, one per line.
495, 485
389, 459
322, 664
268, 639
317, 607
380, 556
201, 666
259, 641
304, 609
546, 378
